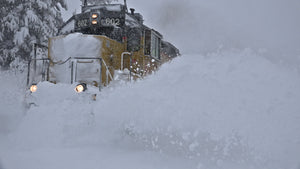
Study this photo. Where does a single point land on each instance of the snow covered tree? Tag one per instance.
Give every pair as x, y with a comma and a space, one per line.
25, 22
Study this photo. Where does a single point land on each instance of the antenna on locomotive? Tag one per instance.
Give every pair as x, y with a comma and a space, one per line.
85, 3
125, 3
83, 6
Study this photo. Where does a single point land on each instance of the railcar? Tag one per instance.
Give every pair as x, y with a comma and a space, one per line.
105, 42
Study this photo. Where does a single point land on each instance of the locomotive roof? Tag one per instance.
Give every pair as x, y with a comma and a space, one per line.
109, 7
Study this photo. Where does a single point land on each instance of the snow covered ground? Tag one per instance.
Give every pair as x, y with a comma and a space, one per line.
226, 110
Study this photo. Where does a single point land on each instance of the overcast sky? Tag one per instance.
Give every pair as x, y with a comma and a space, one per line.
204, 26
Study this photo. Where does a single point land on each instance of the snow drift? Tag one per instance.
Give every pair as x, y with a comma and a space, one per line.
231, 109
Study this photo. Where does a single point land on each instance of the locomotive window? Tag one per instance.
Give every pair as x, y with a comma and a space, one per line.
147, 42
134, 39
152, 44
155, 47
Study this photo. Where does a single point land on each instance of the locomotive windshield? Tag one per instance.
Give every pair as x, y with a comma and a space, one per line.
102, 2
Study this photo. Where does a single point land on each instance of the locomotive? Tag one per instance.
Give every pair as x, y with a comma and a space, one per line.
101, 44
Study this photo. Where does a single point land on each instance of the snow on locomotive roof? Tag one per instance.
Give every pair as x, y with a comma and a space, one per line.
131, 22
110, 7
104, 2
114, 7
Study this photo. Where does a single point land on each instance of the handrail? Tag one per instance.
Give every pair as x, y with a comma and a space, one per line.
122, 61
107, 70
39, 59
28, 68
62, 62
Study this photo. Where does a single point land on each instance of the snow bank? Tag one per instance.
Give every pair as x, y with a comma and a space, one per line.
225, 110
225, 107
12, 85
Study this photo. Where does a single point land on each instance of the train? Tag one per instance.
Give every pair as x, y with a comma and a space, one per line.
104, 42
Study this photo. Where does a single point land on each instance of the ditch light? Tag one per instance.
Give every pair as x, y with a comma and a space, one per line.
81, 88
33, 88
94, 22
94, 16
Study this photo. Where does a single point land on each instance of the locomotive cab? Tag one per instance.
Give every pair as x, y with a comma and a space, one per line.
108, 20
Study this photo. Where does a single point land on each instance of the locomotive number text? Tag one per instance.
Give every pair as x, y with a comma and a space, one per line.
110, 22
82, 23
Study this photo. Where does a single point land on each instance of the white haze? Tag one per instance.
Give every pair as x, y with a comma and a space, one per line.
271, 27
230, 109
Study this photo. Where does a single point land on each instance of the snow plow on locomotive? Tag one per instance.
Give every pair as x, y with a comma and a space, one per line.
101, 44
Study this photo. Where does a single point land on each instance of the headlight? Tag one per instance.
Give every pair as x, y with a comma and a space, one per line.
33, 88
94, 22
94, 16
81, 88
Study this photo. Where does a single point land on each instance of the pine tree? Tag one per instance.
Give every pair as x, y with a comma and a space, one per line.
25, 22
